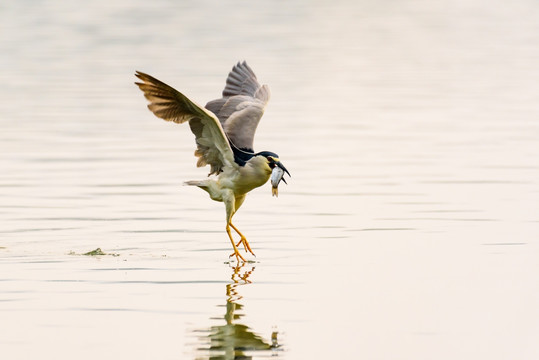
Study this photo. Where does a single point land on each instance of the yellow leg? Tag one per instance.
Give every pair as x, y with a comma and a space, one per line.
242, 240
236, 252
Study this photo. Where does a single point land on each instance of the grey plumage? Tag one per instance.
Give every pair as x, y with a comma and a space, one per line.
242, 106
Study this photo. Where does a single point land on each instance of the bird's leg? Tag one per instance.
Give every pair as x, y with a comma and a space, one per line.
242, 240
236, 252
232, 204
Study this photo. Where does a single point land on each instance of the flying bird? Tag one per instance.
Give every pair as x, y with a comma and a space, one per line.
224, 134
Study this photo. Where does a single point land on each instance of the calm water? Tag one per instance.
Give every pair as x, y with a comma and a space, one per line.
409, 229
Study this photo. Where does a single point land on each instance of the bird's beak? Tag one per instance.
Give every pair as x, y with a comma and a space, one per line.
280, 164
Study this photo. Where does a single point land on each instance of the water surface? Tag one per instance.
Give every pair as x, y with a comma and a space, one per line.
408, 230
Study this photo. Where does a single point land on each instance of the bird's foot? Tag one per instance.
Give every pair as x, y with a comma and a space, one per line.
238, 256
246, 245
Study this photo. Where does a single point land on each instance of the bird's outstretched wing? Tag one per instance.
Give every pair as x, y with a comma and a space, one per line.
242, 106
169, 104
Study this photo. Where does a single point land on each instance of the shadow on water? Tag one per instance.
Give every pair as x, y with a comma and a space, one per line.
233, 339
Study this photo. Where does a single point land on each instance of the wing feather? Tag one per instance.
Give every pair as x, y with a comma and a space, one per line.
242, 105
169, 104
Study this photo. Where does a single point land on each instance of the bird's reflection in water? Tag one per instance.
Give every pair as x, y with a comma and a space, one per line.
232, 339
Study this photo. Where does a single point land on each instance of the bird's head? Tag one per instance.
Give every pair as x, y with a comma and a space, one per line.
273, 161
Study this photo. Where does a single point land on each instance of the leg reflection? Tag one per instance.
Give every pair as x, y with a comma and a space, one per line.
232, 339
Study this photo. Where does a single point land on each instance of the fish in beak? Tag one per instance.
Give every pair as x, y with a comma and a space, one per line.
277, 175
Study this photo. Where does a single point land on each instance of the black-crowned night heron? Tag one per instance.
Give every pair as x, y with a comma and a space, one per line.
224, 132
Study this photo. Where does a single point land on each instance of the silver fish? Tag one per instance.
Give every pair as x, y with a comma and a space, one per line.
276, 176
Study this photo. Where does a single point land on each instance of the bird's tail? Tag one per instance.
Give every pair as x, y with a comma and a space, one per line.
203, 184
194, 183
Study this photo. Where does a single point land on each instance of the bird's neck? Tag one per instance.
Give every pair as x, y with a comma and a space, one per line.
241, 156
